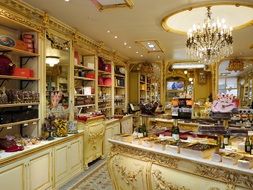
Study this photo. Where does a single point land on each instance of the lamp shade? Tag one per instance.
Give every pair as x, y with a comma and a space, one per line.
52, 60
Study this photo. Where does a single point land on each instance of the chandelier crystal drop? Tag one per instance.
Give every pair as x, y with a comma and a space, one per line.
211, 41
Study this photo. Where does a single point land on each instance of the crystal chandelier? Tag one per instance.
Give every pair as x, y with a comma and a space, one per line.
211, 41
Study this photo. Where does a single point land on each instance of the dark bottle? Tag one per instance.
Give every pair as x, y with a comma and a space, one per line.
144, 130
247, 145
175, 131
251, 148
226, 139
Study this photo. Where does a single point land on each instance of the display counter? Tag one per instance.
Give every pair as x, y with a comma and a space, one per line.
47, 165
132, 166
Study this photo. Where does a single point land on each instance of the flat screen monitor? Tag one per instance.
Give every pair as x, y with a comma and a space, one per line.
175, 85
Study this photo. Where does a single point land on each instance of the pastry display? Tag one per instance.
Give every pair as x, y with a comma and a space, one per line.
245, 162
198, 150
231, 158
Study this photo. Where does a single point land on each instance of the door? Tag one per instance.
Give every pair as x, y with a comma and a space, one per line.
13, 176
61, 161
75, 155
40, 170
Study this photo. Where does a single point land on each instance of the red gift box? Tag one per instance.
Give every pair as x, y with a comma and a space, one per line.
90, 75
100, 81
108, 68
23, 72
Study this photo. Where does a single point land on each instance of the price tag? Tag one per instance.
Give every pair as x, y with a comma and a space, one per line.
250, 133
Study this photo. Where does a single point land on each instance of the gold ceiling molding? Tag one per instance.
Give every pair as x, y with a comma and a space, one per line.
140, 42
100, 7
21, 13
204, 4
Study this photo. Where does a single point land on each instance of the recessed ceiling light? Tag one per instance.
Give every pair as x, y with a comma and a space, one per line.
158, 56
125, 43
115, 37
129, 47
137, 52
141, 55
66, 0
108, 31
151, 45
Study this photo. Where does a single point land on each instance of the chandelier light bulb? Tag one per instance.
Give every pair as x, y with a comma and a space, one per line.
210, 41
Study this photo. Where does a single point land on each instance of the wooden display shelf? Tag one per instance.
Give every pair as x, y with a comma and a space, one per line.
106, 86
84, 67
84, 106
120, 87
18, 105
119, 75
105, 108
83, 95
104, 72
18, 51
83, 78
19, 123
17, 77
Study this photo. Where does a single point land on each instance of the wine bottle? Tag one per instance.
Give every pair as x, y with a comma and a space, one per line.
247, 145
144, 130
175, 131
251, 148
226, 139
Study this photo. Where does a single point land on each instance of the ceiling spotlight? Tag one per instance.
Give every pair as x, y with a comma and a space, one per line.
129, 47
125, 43
137, 52
151, 45
66, 0
141, 55
158, 56
108, 31
115, 37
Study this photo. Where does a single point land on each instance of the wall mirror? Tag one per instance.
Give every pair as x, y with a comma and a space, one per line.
57, 75
236, 77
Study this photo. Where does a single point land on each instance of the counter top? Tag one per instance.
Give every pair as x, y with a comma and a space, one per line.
178, 155
10, 156
171, 121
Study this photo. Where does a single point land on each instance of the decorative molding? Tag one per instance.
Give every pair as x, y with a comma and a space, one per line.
231, 178
161, 184
144, 156
24, 14
129, 177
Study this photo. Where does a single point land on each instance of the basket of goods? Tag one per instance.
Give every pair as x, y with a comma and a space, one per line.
61, 127
9, 145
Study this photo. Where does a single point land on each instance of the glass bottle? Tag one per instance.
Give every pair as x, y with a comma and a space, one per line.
226, 139
247, 145
175, 130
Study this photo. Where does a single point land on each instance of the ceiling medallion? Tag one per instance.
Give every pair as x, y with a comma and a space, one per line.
211, 41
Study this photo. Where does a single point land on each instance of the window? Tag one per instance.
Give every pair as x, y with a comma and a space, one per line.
228, 85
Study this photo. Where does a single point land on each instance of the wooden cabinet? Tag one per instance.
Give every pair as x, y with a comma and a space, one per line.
68, 160
15, 172
94, 131
40, 170
34, 172
111, 129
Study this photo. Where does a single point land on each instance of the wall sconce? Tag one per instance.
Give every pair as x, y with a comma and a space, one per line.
52, 60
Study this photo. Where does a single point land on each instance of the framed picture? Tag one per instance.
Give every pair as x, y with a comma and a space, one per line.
202, 78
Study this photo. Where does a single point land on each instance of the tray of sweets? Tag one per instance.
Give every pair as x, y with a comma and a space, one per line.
231, 158
198, 150
246, 162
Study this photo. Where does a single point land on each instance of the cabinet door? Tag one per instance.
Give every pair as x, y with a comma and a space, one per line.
40, 170
61, 161
75, 155
13, 176
116, 129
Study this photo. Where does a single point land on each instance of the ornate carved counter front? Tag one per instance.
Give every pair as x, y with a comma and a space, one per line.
132, 167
